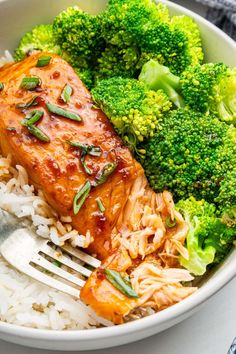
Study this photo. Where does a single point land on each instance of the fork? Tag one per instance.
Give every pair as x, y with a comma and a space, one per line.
25, 251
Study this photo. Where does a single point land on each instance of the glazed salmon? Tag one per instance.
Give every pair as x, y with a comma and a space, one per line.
55, 167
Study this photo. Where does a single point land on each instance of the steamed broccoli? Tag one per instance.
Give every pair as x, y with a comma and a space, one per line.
40, 38
134, 110
186, 25
211, 88
87, 76
79, 34
116, 62
208, 88
229, 216
208, 239
148, 26
192, 155
157, 76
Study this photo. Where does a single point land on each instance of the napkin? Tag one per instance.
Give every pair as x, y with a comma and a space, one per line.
223, 14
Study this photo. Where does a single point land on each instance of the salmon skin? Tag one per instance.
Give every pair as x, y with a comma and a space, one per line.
55, 167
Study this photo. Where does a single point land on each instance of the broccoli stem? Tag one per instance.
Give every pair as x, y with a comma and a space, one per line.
157, 77
227, 111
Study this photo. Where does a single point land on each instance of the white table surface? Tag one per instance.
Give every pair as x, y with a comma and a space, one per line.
210, 331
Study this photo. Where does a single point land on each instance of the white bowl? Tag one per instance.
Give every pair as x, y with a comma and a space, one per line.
16, 17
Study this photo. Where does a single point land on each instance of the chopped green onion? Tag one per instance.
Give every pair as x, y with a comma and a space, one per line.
31, 118
81, 196
28, 104
44, 60
76, 144
107, 170
1, 86
63, 112
66, 93
86, 168
30, 83
57, 263
120, 283
94, 150
11, 129
170, 223
38, 133
100, 205
87, 149
89, 267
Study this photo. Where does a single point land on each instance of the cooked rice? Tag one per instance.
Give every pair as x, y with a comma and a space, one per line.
26, 302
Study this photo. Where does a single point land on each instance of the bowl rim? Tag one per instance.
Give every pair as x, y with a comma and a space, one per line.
213, 285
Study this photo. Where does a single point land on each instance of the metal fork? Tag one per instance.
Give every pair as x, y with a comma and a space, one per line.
25, 251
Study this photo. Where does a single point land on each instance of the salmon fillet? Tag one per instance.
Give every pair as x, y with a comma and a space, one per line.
55, 167
133, 223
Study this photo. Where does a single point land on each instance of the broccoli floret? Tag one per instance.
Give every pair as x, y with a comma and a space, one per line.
211, 88
208, 88
155, 37
229, 216
87, 76
168, 46
227, 194
148, 26
134, 110
208, 239
192, 155
187, 25
40, 38
157, 77
114, 29
117, 62
79, 34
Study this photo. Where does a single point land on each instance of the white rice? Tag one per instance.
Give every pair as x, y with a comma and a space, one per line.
26, 302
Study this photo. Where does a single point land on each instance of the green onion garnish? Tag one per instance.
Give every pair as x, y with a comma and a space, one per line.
38, 133
170, 223
63, 112
66, 93
81, 196
107, 170
86, 168
57, 263
28, 104
11, 129
30, 83
94, 150
31, 118
44, 60
100, 205
1, 86
120, 283
87, 149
